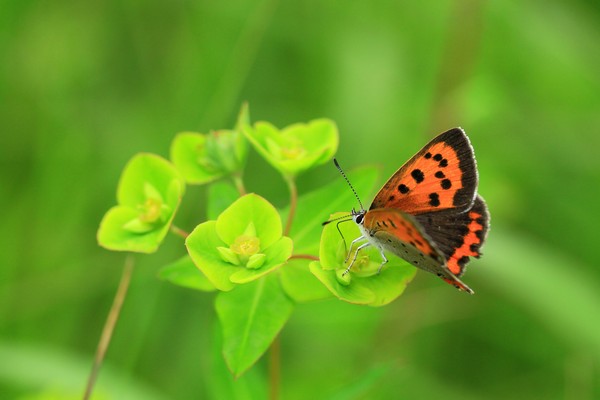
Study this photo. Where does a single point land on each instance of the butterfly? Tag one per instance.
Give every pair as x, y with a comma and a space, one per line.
428, 212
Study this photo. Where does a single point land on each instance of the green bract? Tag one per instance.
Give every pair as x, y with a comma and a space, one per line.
362, 285
184, 273
297, 147
204, 158
243, 244
148, 195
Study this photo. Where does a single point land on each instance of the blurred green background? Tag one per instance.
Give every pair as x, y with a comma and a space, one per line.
85, 85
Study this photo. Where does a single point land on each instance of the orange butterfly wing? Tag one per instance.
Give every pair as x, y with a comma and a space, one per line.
403, 228
442, 175
402, 235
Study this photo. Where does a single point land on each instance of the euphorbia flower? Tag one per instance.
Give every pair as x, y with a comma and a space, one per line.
203, 158
243, 244
148, 195
296, 148
363, 284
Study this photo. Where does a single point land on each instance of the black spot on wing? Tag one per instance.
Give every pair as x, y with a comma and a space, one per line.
417, 175
434, 199
459, 142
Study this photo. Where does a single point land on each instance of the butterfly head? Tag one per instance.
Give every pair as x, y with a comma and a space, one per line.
358, 216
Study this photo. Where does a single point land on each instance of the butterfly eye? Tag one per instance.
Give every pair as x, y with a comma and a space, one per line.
359, 218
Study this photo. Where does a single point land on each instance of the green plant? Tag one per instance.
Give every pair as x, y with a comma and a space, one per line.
261, 266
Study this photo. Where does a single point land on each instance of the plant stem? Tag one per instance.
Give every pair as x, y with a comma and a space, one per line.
178, 231
109, 325
239, 183
274, 368
304, 256
293, 201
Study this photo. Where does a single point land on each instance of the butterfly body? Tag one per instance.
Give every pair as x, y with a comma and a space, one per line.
429, 212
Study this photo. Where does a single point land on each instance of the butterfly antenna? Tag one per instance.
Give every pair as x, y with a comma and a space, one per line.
349, 184
346, 217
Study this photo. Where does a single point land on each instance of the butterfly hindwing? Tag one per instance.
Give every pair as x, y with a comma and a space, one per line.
404, 230
457, 235
402, 235
442, 175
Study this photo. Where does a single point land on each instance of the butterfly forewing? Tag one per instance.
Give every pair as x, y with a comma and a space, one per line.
442, 175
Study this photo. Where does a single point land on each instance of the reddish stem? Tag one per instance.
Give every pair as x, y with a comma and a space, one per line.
178, 231
293, 202
109, 325
305, 257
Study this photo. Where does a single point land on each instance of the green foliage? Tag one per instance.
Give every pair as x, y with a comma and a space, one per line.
204, 158
251, 317
88, 86
183, 272
149, 193
295, 148
240, 250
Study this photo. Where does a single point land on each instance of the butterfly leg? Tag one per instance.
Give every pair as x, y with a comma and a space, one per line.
351, 245
359, 248
385, 260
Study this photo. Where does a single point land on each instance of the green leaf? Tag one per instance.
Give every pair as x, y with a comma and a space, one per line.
243, 119
250, 208
149, 169
203, 158
149, 193
202, 246
222, 385
362, 285
220, 196
251, 317
297, 147
356, 294
184, 273
300, 284
188, 153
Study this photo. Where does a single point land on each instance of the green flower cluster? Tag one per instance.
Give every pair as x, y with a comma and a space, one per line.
259, 266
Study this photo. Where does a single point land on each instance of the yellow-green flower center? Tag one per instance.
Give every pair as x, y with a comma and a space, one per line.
151, 210
293, 152
246, 245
